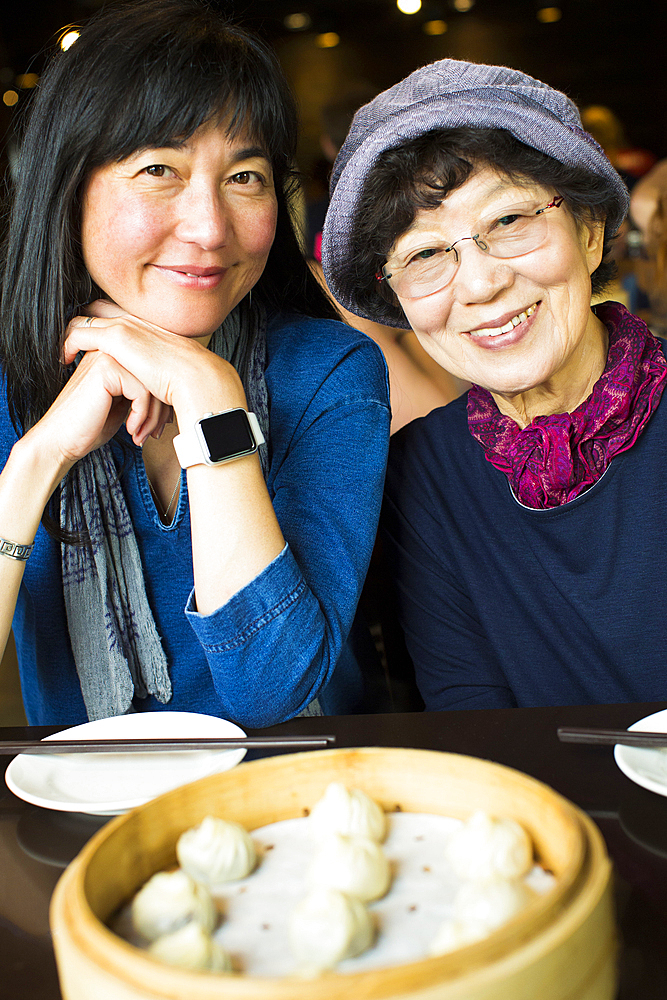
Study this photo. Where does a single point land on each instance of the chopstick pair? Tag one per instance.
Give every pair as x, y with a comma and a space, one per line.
609, 737
164, 744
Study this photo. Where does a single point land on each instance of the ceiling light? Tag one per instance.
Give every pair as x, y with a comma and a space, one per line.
434, 27
26, 81
327, 40
68, 40
549, 15
297, 22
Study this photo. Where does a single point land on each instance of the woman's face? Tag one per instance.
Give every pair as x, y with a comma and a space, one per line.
556, 336
178, 236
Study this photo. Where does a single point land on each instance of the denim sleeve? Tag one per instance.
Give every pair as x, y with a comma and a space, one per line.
273, 646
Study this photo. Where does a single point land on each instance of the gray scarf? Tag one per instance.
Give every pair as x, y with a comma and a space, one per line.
103, 580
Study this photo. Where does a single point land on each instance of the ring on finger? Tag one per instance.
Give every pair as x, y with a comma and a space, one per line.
88, 320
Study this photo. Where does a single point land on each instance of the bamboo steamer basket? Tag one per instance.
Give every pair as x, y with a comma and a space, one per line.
562, 947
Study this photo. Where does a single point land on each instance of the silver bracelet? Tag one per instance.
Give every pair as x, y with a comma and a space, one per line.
14, 550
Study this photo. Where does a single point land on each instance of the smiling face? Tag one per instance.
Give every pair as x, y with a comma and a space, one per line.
178, 236
521, 327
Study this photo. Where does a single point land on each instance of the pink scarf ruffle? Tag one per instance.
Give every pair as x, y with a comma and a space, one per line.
557, 457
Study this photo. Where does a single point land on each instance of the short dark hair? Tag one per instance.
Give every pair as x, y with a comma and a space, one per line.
140, 74
420, 172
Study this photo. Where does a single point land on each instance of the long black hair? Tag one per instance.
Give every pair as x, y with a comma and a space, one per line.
140, 74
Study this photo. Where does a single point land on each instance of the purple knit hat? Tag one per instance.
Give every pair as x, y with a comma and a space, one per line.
452, 94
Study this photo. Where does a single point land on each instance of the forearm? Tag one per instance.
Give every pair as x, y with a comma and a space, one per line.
26, 484
235, 532
275, 644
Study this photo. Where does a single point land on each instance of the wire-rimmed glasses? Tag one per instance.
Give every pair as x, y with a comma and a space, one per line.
423, 270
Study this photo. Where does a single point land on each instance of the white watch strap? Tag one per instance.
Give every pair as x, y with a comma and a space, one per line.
256, 429
189, 449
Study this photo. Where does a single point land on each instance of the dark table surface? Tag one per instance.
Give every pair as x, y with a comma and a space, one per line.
36, 844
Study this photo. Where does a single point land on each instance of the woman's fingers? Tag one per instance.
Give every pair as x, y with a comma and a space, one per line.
94, 403
147, 418
175, 369
156, 357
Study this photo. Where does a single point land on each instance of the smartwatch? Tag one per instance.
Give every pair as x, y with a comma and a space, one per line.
219, 437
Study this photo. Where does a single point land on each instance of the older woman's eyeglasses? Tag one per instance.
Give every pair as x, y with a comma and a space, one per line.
421, 271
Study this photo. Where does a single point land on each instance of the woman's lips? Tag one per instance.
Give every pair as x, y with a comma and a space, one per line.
192, 275
508, 332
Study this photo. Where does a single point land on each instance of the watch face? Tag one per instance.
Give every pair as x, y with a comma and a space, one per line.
227, 435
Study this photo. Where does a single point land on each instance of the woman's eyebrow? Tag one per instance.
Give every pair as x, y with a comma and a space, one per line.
249, 153
520, 198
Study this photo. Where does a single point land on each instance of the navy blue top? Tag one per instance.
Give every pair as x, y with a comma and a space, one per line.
280, 641
505, 606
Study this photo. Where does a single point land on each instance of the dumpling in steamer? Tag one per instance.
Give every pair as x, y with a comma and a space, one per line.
491, 904
487, 848
357, 866
191, 947
168, 901
452, 934
479, 909
326, 927
216, 851
349, 811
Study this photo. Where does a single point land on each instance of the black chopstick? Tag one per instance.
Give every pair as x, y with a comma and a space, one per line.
164, 744
608, 737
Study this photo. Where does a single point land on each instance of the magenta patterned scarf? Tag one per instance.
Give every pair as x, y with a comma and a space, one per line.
557, 457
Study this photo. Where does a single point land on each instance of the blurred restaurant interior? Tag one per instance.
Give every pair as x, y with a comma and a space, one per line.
608, 54
600, 52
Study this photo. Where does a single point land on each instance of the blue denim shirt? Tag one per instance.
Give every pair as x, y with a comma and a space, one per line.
277, 643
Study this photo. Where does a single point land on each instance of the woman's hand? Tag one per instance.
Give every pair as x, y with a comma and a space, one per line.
93, 405
182, 374
97, 399
179, 372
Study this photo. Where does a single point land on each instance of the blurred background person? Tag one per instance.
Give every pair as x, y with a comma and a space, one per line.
648, 210
632, 162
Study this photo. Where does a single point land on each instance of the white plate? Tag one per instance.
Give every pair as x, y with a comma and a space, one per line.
107, 784
642, 765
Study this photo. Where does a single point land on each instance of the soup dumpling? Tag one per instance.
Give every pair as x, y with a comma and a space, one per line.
168, 901
491, 904
349, 811
191, 947
453, 934
216, 851
487, 847
357, 866
326, 927
479, 909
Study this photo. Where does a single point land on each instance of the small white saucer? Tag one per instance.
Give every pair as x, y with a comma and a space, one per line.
106, 784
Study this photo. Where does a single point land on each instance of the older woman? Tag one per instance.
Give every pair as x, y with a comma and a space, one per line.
524, 521
205, 460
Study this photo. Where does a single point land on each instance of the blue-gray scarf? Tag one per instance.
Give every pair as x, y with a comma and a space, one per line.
103, 581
